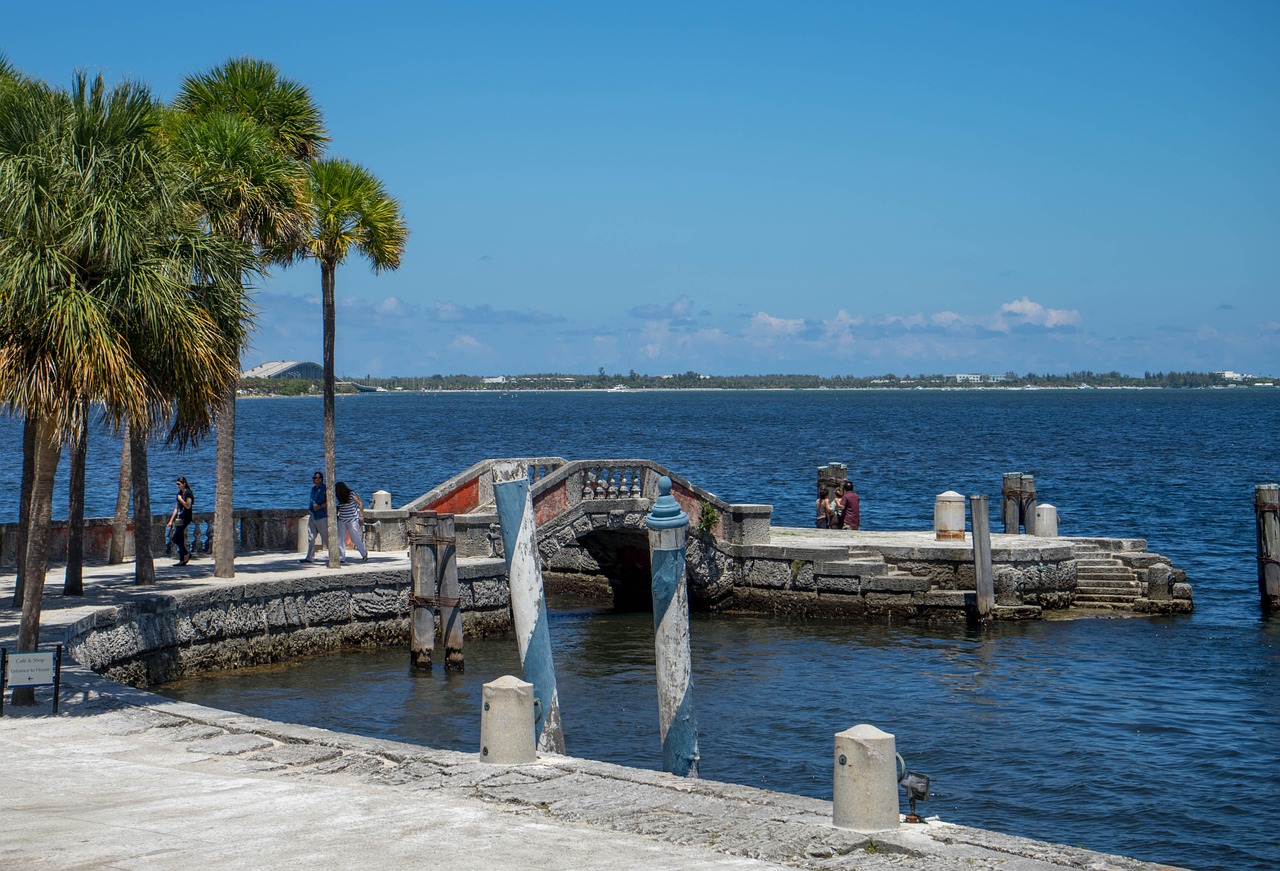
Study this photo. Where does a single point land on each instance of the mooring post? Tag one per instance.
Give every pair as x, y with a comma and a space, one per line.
422, 570
450, 594
1011, 502
1266, 507
984, 581
865, 785
528, 605
668, 528
1029, 503
505, 738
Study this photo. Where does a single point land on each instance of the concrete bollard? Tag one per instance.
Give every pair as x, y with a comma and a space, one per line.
948, 516
450, 594
381, 501
506, 718
984, 579
865, 794
1046, 521
423, 526
1159, 582
1266, 507
528, 604
302, 533
677, 724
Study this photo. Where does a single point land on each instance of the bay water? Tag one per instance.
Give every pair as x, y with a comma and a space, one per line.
1152, 737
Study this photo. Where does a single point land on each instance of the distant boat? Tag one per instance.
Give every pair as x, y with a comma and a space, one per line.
618, 387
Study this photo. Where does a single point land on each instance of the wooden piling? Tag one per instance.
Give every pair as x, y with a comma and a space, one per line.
984, 580
422, 570
1029, 504
1266, 507
450, 592
1011, 502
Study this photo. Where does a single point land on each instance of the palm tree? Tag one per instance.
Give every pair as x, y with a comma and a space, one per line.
351, 211
247, 133
106, 283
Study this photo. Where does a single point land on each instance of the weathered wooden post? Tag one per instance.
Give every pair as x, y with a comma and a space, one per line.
423, 526
1266, 507
528, 605
1011, 502
984, 581
1029, 504
450, 594
668, 528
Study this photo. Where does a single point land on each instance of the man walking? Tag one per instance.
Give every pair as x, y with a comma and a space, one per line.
318, 522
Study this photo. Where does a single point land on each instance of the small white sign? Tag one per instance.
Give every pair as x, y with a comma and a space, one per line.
29, 670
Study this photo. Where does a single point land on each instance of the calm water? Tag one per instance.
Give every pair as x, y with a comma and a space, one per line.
1158, 738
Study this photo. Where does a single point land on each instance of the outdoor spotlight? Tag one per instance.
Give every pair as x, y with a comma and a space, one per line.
917, 787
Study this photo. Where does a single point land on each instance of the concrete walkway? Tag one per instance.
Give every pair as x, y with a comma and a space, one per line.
123, 778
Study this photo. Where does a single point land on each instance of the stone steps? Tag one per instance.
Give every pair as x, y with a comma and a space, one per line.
1104, 582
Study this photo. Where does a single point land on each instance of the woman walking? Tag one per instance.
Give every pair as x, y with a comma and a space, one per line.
350, 519
180, 519
824, 509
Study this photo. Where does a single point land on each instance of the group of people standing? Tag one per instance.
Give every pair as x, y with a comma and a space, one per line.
350, 519
840, 508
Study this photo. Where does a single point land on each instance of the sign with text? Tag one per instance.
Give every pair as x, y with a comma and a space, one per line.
29, 669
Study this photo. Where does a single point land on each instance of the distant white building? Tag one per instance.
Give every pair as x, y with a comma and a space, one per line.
496, 379
1228, 375
285, 369
971, 379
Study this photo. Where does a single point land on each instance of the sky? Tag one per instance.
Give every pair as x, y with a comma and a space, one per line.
829, 188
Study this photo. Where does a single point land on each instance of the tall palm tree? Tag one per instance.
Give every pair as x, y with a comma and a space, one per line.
351, 212
247, 133
105, 284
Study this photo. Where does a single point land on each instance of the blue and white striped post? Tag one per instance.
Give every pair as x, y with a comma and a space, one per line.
668, 526
528, 605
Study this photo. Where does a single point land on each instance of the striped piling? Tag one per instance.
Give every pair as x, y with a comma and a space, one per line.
528, 605
668, 527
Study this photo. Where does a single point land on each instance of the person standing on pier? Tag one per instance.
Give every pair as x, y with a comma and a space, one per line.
180, 519
824, 509
318, 521
850, 508
350, 520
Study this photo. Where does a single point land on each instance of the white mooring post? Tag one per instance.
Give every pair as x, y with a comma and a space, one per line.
865, 794
668, 528
505, 720
528, 605
1266, 507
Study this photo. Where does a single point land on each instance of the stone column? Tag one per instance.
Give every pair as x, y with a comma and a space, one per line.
865, 794
668, 526
1266, 506
528, 604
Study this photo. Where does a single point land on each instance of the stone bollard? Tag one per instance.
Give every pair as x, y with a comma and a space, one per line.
381, 501
506, 722
302, 533
1159, 582
865, 795
528, 604
1046, 521
948, 516
677, 724
983, 577
1266, 507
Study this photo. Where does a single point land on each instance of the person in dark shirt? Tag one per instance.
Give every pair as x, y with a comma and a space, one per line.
318, 521
180, 519
850, 508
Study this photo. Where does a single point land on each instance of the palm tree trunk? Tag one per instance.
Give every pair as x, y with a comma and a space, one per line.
327, 273
224, 541
120, 520
144, 568
73, 580
46, 454
24, 508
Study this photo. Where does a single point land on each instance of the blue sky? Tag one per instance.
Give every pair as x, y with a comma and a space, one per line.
751, 187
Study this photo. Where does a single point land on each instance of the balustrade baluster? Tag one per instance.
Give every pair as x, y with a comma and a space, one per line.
636, 490
587, 484
613, 474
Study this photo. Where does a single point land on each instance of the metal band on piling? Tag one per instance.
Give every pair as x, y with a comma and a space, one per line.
528, 605
668, 527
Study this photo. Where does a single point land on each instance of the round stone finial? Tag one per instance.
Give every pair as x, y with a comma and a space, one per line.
666, 513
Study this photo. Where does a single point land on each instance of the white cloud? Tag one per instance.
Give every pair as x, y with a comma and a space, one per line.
469, 345
767, 326
391, 308
1027, 311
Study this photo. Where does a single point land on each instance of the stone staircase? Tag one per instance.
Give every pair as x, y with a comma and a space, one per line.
1103, 582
